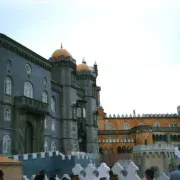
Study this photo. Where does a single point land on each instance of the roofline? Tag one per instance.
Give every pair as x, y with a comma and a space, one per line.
21, 50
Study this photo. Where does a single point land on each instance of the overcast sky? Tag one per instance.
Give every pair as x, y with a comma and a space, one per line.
136, 44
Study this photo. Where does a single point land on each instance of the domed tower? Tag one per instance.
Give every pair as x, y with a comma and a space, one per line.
64, 73
86, 79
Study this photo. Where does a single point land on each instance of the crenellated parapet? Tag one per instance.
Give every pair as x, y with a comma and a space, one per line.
41, 155
52, 162
118, 116
121, 140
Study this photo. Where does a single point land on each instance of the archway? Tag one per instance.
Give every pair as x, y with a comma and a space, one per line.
119, 150
29, 132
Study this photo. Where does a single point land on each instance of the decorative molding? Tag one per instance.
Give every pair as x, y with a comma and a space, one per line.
24, 52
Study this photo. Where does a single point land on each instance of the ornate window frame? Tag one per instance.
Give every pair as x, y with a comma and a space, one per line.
7, 85
28, 89
53, 104
44, 97
7, 114
53, 126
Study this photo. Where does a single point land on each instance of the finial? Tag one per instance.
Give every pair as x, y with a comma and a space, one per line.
61, 46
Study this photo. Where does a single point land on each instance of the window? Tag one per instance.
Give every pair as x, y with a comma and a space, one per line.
141, 124
6, 144
78, 112
7, 114
84, 112
73, 79
44, 97
74, 112
110, 126
93, 91
8, 86
53, 104
45, 122
126, 126
28, 90
53, 146
46, 146
173, 125
74, 127
45, 81
156, 124
53, 126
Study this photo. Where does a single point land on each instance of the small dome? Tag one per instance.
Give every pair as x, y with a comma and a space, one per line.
82, 67
61, 52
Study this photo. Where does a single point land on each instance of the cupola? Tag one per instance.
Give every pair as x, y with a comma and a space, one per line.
83, 66
61, 52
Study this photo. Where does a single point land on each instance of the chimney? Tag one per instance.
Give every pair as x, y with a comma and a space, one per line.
134, 113
96, 68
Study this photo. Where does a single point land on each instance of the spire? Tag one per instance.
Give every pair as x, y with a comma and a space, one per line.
61, 46
95, 63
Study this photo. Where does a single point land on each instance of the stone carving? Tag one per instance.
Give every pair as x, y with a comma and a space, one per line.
132, 172
117, 170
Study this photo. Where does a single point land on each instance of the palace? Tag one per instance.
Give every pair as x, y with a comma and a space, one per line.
147, 139
46, 105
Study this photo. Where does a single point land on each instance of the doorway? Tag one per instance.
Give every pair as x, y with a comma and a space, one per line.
29, 132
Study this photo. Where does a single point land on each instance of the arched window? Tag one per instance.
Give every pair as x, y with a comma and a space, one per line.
44, 97
53, 126
6, 144
156, 124
140, 124
53, 146
84, 112
53, 104
7, 85
28, 90
78, 112
7, 114
46, 146
110, 126
126, 126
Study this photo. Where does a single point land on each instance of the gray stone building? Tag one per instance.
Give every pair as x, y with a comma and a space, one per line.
46, 105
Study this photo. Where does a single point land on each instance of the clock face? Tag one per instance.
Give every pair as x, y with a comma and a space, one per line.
28, 68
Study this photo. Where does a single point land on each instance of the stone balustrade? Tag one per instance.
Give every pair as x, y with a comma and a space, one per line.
154, 147
117, 172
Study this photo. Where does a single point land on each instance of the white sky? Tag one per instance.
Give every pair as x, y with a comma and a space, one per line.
136, 44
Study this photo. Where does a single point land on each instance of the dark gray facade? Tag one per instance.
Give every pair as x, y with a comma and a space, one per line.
45, 105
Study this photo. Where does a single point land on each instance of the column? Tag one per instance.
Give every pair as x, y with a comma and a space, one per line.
143, 165
166, 163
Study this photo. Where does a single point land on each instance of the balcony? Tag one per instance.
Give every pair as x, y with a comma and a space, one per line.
31, 105
143, 128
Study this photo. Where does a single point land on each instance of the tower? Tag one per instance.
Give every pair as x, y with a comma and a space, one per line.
64, 73
86, 79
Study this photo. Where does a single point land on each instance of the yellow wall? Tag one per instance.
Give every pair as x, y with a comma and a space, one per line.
118, 124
